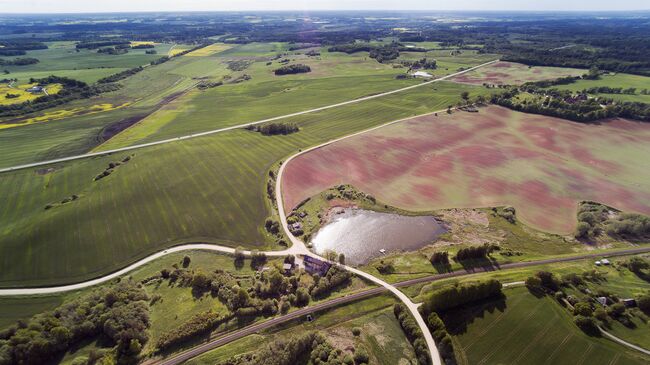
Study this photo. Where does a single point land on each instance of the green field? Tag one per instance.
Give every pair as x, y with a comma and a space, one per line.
335, 77
209, 189
381, 334
527, 329
63, 56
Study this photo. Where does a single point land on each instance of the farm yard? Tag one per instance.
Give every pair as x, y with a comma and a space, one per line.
510, 73
542, 166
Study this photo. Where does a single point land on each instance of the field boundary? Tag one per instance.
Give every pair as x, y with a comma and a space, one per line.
220, 130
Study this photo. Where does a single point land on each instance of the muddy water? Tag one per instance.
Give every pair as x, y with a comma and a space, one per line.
361, 234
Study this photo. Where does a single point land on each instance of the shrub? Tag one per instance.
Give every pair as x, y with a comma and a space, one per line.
356, 331
600, 314
548, 281
198, 324
361, 356
302, 297
583, 309
644, 303
186, 261
258, 259
616, 309
587, 325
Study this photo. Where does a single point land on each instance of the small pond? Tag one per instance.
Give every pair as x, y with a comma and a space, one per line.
361, 234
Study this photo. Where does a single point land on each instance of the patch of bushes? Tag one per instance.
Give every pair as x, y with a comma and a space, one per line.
273, 129
111, 167
292, 69
595, 218
385, 267
312, 348
199, 324
334, 278
204, 85
119, 313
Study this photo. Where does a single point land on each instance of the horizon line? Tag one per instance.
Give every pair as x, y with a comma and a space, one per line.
330, 10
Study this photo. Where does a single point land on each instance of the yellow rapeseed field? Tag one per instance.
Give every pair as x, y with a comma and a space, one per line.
63, 113
209, 50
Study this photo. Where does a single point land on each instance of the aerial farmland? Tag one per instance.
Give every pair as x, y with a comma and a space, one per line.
315, 187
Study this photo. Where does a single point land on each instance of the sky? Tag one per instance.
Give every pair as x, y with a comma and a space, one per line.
85, 6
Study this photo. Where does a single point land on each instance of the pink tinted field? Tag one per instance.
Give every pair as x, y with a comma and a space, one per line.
540, 165
510, 73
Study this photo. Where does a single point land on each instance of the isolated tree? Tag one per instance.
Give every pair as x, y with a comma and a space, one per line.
342, 259
186, 261
464, 95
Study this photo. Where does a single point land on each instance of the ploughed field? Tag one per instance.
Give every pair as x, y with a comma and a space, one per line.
540, 165
511, 73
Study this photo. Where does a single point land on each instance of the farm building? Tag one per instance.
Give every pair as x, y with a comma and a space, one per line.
35, 89
316, 266
629, 303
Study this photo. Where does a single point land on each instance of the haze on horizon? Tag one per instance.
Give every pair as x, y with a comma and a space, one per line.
84, 6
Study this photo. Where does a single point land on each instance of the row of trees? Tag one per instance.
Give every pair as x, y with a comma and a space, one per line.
413, 333
19, 61
454, 296
442, 338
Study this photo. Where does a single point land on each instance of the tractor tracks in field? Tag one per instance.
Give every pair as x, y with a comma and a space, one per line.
225, 129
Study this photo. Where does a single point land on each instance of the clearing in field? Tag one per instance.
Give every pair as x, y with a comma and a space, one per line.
525, 329
542, 166
209, 50
510, 73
